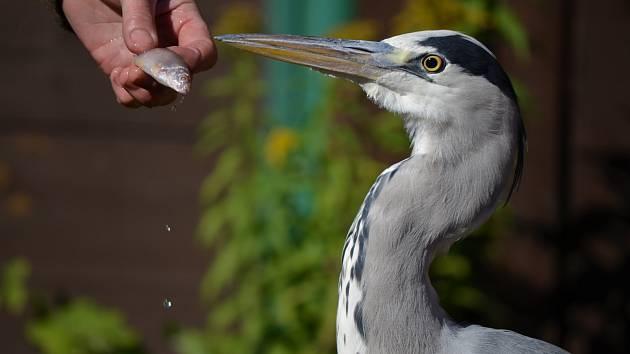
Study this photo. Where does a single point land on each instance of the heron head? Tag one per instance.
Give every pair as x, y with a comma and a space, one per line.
441, 81
427, 73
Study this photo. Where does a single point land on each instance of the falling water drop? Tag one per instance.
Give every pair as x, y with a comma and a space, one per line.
177, 102
168, 228
168, 304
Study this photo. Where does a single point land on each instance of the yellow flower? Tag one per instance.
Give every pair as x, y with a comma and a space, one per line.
279, 144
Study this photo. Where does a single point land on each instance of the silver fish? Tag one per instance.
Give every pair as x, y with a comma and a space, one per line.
166, 67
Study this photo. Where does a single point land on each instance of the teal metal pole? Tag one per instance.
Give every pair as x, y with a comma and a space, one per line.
294, 92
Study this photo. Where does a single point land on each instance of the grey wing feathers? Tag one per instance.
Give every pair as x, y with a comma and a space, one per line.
496, 341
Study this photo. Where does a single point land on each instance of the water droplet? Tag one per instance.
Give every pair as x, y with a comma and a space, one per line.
168, 304
168, 228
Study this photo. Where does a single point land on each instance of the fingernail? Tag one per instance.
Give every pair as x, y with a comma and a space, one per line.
141, 39
123, 77
114, 75
115, 72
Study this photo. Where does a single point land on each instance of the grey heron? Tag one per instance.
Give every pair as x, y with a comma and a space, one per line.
467, 137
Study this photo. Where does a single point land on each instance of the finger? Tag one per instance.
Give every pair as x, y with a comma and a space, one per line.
199, 56
122, 96
159, 95
143, 88
136, 76
139, 94
193, 34
139, 25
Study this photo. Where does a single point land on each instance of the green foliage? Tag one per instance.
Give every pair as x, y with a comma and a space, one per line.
512, 30
82, 327
478, 18
13, 289
192, 342
78, 327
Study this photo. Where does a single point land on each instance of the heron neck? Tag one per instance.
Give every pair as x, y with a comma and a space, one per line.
401, 307
428, 137
434, 198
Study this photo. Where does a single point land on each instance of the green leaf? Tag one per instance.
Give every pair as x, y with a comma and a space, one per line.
211, 224
191, 342
512, 29
451, 265
223, 174
83, 327
13, 290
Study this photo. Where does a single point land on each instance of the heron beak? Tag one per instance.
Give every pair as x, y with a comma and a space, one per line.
357, 60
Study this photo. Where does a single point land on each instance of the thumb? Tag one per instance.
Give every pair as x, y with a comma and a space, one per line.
139, 25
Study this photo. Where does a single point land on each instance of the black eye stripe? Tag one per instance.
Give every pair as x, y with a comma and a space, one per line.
472, 58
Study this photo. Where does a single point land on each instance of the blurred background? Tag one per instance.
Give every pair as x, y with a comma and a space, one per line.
217, 227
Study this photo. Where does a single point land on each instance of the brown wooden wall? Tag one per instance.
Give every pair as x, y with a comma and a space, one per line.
91, 185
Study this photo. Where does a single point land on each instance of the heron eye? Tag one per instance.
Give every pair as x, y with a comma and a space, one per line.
433, 63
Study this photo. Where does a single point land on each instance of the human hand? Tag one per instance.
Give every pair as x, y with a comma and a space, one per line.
114, 31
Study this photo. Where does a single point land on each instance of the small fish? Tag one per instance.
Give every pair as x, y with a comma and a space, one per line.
166, 67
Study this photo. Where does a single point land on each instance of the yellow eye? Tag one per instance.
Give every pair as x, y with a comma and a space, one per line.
433, 63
